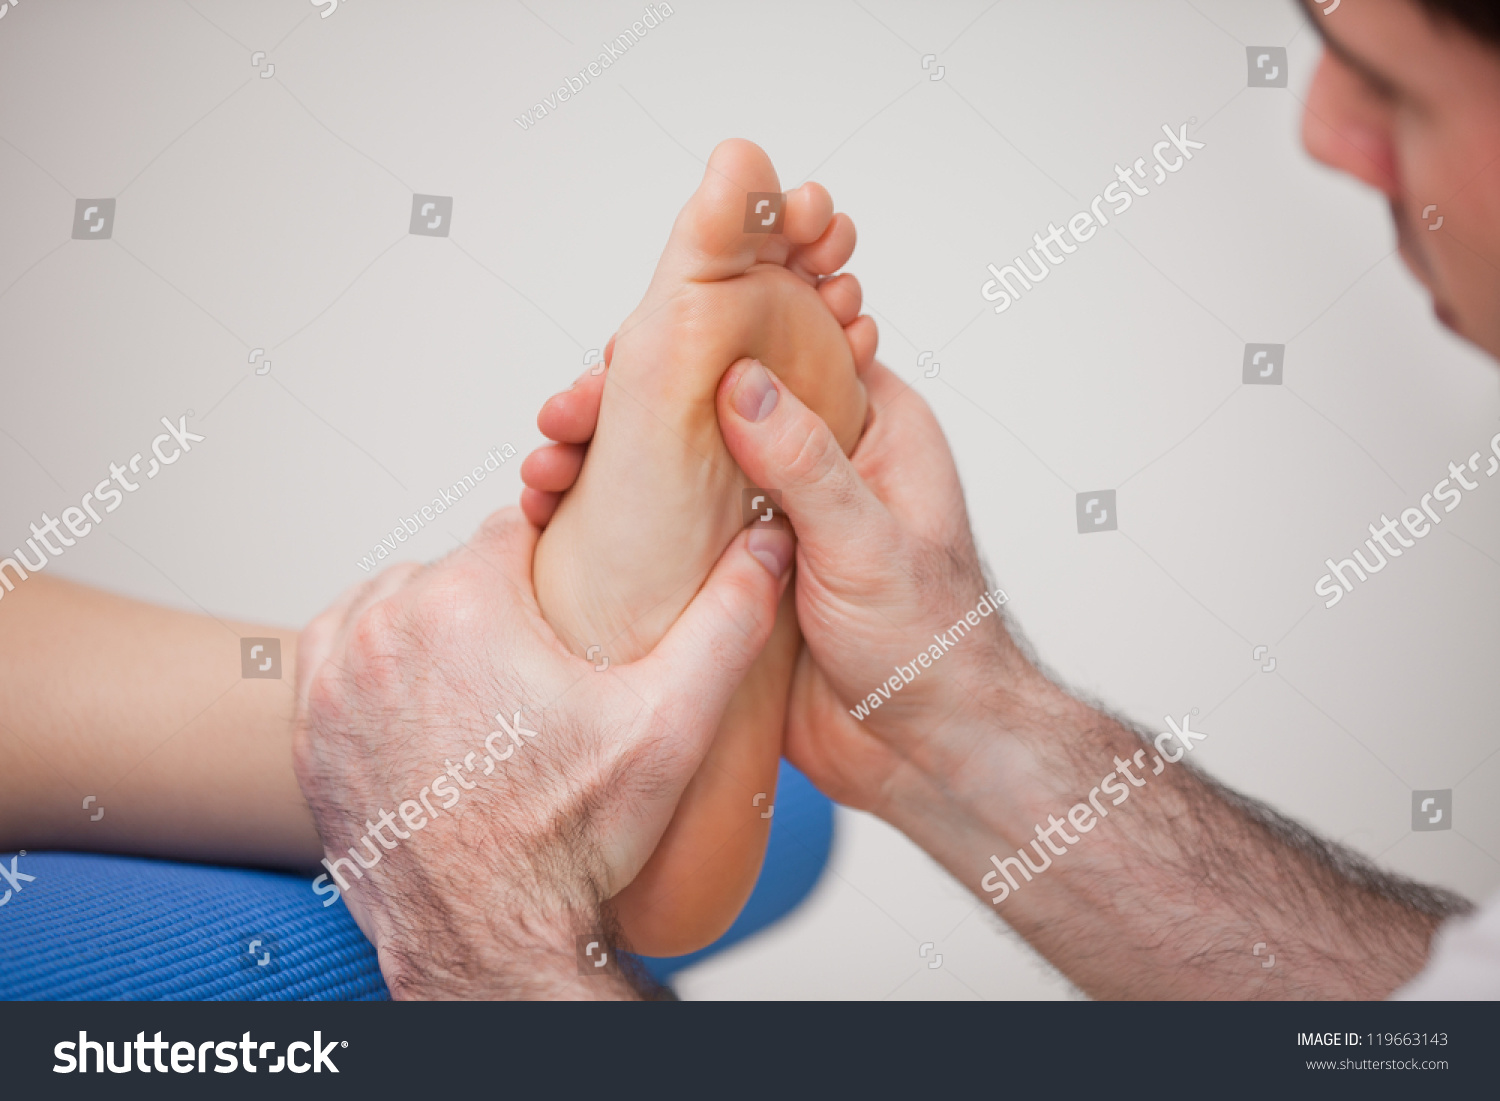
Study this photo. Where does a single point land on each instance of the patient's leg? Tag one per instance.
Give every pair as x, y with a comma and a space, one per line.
146, 711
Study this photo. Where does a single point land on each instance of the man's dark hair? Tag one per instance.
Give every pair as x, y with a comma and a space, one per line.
1479, 17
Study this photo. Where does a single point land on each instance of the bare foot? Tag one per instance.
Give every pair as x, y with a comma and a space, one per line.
656, 498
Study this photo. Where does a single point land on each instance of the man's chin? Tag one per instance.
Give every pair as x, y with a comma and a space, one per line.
1446, 316
1416, 263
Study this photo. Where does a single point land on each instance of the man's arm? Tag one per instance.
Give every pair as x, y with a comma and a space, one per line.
1169, 882
1156, 881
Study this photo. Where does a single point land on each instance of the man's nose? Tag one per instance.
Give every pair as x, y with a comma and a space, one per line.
1345, 126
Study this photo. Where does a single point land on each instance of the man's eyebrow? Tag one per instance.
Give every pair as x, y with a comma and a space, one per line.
1383, 84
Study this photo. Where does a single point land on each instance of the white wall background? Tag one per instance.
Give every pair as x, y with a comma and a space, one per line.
273, 213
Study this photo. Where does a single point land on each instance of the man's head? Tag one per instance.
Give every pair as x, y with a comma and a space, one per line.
1407, 99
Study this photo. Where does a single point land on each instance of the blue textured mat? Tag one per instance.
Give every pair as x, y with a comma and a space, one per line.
115, 927
98, 927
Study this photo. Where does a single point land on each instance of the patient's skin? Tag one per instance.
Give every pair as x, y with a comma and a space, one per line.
144, 709
658, 499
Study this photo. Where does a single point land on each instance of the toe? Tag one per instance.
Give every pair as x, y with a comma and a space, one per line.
863, 338
829, 252
539, 506
809, 209
843, 297
710, 239
571, 416
554, 468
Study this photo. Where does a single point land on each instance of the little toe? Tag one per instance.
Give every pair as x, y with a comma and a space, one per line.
863, 337
843, 297
538, 506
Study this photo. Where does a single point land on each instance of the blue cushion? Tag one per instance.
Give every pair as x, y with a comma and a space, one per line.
118, 927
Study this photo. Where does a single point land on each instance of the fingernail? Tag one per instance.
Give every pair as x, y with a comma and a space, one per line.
772, 548
755, 394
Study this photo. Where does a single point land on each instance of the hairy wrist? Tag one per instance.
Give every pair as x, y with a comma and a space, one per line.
515, 956
997, 746
526, 939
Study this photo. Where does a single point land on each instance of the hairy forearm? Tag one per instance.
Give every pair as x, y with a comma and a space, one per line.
1182, 889
144, 709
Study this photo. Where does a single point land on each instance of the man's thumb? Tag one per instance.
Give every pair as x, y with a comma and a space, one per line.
718, 636
784, 446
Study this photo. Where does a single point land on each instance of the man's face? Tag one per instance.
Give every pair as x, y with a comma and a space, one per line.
1411, 106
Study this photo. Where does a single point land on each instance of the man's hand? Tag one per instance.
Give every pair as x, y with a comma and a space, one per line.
494, 789
887, 564
887, 574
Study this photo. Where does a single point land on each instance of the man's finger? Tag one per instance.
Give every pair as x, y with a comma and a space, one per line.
784, 446
320, 637
392, 581
316, 641
905, 459
716, 639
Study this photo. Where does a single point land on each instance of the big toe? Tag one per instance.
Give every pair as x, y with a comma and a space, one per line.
730, 220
